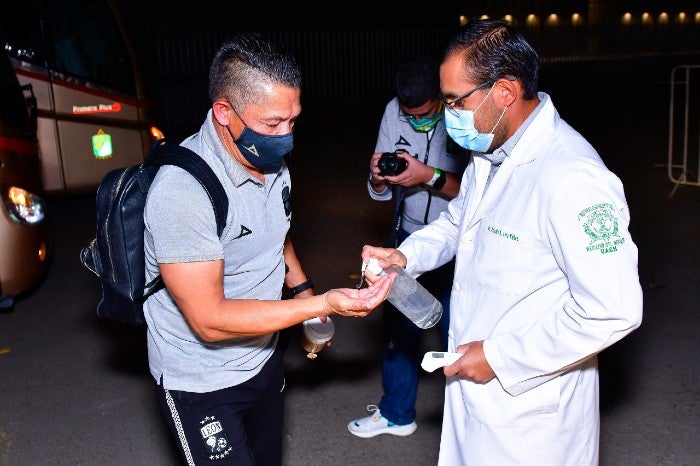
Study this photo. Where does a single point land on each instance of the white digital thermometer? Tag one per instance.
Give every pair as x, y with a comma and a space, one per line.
434, 359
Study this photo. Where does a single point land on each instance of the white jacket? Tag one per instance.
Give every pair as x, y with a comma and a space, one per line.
546, 274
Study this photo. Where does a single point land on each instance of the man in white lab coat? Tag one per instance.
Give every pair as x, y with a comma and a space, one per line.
546, 271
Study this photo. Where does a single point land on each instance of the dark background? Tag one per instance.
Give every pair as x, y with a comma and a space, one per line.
349, 52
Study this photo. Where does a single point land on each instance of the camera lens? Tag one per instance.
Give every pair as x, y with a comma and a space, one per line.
391, 164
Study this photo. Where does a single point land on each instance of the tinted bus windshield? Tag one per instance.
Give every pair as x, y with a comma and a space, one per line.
93, 114
83, 40
13, 111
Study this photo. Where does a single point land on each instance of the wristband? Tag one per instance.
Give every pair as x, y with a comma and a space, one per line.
440, 182
302, 287
438, 179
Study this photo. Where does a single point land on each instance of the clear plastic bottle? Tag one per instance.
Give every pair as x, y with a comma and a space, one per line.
409, 296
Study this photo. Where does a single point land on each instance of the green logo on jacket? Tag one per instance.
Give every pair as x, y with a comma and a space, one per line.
601, 224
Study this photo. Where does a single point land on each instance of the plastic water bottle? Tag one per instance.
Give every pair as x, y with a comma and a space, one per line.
409, 296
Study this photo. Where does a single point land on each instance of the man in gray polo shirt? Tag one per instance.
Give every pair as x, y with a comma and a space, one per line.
213, 331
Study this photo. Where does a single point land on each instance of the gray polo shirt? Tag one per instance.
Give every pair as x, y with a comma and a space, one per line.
181, 227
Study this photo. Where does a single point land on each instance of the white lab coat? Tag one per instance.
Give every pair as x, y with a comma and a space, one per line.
546, 274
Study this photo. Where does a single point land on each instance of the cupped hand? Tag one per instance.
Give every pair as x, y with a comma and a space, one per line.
352, 302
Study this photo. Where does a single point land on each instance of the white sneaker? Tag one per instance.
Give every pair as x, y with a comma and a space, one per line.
376, 424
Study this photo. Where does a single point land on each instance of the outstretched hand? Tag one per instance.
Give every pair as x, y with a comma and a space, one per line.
352, 302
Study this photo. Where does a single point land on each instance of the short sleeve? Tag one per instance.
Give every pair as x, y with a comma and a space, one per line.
180, 219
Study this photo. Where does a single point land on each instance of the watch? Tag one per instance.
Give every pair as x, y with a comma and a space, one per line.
301, 287
438, 180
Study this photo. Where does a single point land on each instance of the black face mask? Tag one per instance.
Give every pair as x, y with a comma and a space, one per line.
261, 150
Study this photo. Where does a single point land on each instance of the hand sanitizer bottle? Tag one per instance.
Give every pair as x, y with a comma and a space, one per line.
409, 296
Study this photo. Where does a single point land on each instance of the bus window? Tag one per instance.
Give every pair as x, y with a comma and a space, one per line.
93, 115
15, 115
87, 44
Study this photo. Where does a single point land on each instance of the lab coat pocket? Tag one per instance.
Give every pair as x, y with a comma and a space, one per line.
494, 407
504, 258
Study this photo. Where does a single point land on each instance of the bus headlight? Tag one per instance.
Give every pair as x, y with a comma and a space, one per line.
23, 206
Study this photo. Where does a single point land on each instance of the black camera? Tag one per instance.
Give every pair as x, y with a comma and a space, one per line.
391, 164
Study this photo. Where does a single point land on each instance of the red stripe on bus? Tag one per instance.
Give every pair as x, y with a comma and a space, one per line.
21, 146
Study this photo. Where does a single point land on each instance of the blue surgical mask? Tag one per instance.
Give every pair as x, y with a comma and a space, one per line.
460, 127
261, 150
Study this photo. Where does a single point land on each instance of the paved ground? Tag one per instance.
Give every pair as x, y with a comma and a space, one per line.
74, 389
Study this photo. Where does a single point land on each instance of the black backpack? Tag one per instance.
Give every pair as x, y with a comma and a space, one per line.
116, 253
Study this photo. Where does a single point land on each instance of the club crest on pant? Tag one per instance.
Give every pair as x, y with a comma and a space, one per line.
214, 438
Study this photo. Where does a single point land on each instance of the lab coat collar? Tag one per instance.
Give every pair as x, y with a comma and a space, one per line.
526, 150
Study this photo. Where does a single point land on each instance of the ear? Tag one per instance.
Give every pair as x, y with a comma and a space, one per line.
222, 111
506, 91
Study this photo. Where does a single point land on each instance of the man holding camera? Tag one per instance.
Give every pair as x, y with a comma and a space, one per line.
419, 168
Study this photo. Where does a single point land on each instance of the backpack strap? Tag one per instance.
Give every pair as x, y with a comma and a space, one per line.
166, 153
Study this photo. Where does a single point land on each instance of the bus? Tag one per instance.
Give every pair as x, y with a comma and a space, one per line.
24, 234
93, 111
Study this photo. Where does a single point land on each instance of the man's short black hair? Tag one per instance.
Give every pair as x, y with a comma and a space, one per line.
417, 81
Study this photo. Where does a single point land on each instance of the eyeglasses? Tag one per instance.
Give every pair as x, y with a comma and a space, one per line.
420, 116
410, 116
449, 106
